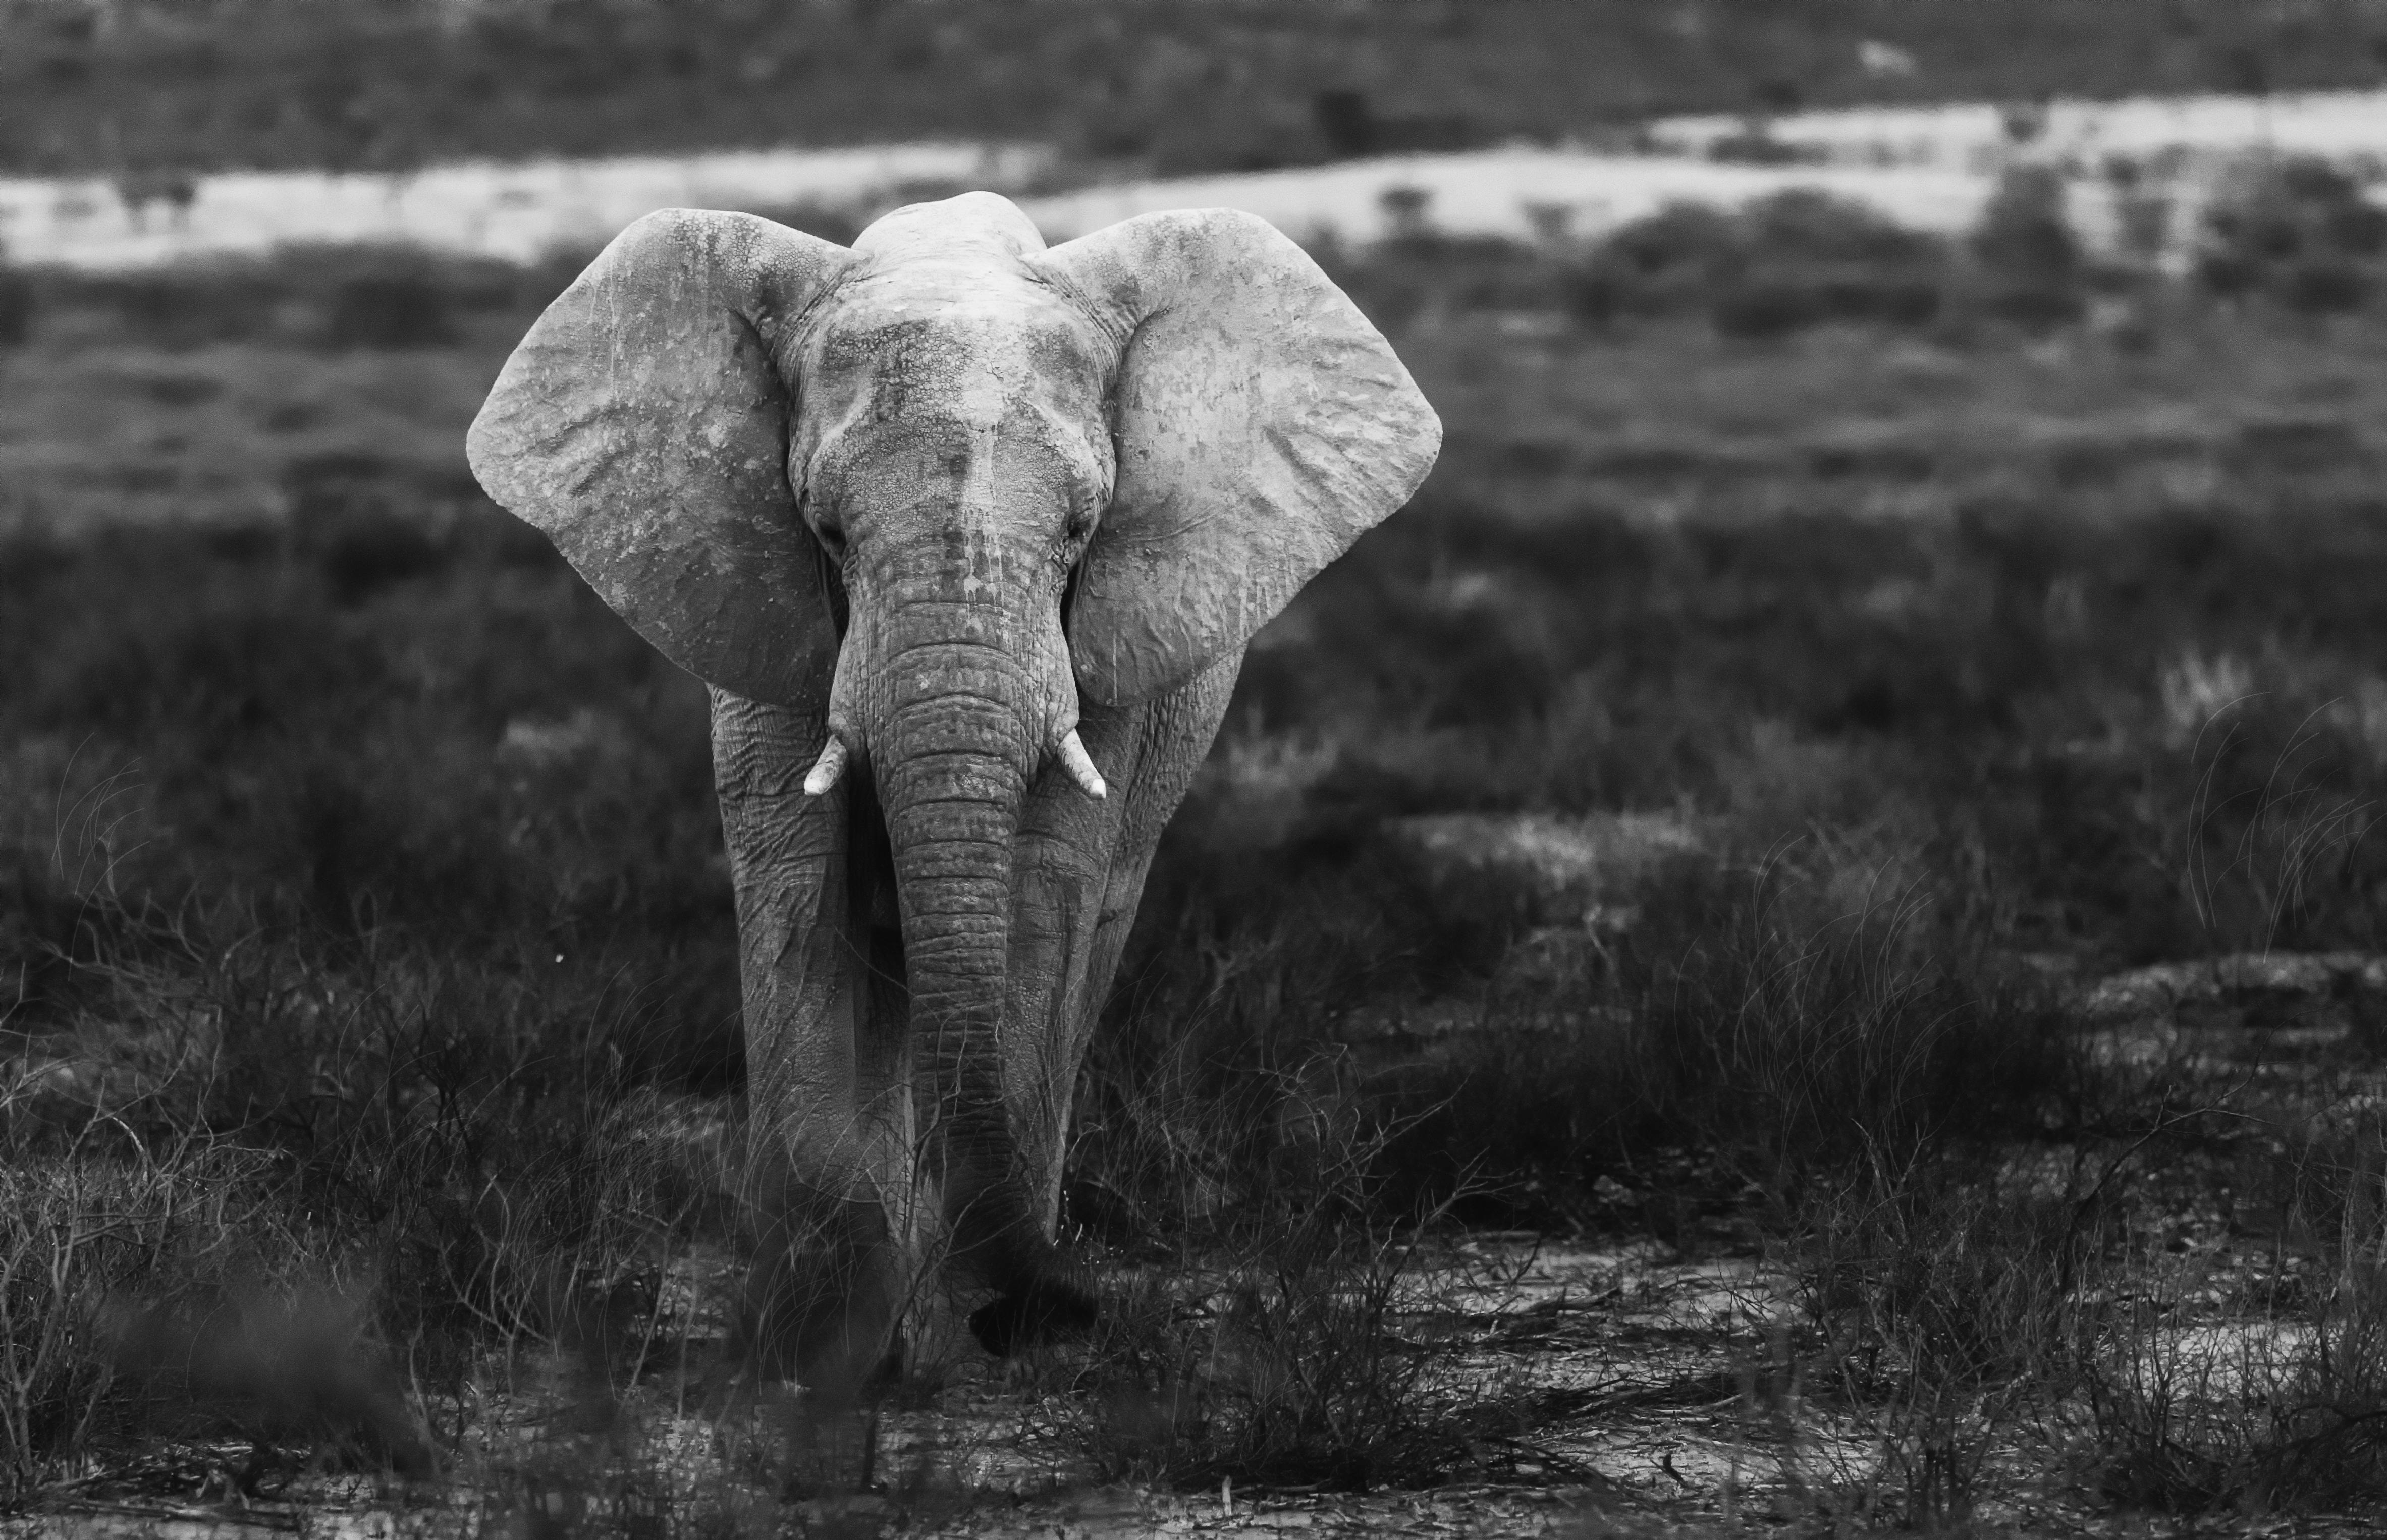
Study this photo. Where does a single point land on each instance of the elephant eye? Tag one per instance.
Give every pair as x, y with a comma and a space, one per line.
826, 527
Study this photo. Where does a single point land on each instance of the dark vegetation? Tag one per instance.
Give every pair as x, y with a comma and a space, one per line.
138, 86
1910, 657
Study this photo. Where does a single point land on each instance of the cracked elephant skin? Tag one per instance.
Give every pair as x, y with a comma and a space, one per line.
967, 536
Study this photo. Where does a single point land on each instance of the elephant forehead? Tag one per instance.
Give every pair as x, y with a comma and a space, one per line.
1019, 456
960, 295
979, 360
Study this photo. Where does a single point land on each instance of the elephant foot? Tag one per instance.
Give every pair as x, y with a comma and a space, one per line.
1047, 1309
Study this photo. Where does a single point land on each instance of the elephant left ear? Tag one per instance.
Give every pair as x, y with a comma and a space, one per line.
643, 424
1261, 426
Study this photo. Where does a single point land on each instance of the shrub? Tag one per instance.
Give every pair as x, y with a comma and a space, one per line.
2282, 1404
1664, 263
350, 513
74, 1232
1785, 262
1403, 277
259, 1158
1797, 1037
2298, 231
337, 297
1293, 1337
1944, 1306
388, 309
188, 305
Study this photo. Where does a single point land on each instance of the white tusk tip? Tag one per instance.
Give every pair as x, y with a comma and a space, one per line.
1080, 767
826, 769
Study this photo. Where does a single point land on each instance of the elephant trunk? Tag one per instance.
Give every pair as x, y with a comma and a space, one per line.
953, 749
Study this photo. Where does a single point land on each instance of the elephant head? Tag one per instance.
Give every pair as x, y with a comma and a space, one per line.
934, 497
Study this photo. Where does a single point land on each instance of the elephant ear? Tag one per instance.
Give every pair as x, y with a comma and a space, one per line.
1261, 426
642, 424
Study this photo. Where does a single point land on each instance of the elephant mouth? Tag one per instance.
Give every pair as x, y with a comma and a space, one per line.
832, 582
873, 915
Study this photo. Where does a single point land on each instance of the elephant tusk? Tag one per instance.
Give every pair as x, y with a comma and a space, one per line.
1080, 767
827, 768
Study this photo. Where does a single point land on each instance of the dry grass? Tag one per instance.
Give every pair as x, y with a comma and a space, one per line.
370, 980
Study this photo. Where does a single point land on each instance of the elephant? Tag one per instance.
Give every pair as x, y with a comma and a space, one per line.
967, 536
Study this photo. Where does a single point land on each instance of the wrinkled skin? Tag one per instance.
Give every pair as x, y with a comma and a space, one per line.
968, 537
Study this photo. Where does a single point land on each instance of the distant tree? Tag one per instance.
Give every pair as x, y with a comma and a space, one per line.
2142, 211
175, 188
1405, 212
2025, 253
2023, 121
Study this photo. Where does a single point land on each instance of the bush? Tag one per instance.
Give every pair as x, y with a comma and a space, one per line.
1799, 1046
74, 1232
336, 296
186, 305
2280, 1405
1665, 263
1295, 1356
351, 514
1945, 1306
388, 309
2298, 231
1791, 260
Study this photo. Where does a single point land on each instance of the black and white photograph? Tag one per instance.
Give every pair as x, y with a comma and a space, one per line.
1605, 769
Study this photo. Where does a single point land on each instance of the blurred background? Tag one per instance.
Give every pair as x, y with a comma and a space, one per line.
1908, 567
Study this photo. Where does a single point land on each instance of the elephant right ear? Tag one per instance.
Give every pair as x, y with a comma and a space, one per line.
1261, 426
642, 425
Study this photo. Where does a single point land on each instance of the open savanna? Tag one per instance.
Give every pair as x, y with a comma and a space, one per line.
1698, 825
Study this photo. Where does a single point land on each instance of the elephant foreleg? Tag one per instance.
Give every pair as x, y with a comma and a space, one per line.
1080, 875
826, 1131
